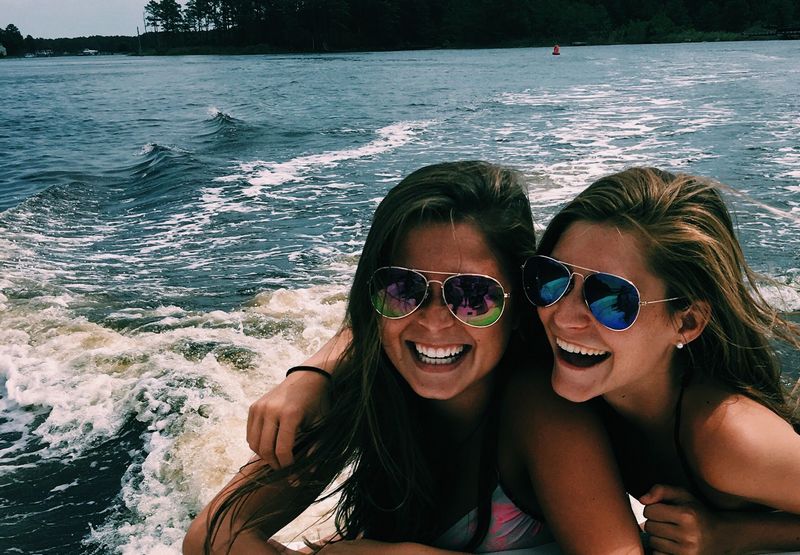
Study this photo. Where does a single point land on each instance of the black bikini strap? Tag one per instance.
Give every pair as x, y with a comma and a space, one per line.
687, 470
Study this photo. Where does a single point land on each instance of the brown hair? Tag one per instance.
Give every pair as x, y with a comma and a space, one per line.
374, 427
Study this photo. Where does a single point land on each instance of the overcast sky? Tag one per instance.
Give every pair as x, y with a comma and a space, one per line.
73, 18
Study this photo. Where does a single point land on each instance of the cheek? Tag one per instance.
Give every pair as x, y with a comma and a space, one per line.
545, 314
389, 333
493, 341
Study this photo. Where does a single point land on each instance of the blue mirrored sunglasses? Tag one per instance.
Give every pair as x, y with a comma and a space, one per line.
613, 300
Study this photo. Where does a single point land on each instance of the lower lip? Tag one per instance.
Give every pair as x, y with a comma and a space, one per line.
581, 364
436, 368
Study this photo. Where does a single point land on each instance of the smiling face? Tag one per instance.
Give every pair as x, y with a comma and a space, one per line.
440, 357
590, 359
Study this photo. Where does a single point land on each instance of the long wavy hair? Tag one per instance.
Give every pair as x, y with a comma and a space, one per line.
690, 243
374, 434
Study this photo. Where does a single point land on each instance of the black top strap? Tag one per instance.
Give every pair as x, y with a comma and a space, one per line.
687, 469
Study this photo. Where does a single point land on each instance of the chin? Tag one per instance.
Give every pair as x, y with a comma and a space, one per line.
571, 391
433, 394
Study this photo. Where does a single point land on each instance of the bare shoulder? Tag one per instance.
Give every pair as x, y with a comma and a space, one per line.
727, 433
537, 422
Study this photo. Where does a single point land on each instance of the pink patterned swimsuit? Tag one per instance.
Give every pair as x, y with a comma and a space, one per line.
510, 528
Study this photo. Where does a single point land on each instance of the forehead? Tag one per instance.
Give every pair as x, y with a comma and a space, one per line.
605, 248
445, 247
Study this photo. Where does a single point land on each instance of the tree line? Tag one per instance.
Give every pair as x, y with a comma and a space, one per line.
337, 25
319, 25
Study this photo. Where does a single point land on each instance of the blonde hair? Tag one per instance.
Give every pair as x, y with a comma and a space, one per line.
690, 244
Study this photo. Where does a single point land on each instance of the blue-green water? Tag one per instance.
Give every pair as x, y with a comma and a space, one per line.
174, 232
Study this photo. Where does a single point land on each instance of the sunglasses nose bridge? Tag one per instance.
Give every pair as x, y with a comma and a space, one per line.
434, 310
573, 311
571, 284
430, 293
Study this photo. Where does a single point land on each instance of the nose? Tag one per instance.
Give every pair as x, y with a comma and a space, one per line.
571, 312
434, 313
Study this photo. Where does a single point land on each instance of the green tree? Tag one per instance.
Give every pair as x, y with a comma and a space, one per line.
29, 44
171, 16
199, 14
153, 14
13, 41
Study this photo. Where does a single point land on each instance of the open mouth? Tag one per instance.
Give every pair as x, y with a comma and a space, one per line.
448, 354
577, 355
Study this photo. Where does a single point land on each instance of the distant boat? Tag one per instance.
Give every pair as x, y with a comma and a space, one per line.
89, 52
556, 50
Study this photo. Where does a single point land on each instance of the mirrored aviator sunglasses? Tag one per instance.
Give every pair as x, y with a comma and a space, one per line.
475, 300
613, 300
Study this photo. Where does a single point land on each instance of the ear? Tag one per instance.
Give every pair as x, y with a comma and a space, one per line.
691, 321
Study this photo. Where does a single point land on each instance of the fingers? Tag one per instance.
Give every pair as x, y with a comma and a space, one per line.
667, 538
284, 440
261, 433
662, 512
272, 439
274, 419
662, 493
664, 530
674, 529
668, 546
266, 443
664, 546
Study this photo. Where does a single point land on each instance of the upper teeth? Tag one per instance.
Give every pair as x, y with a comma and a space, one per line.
439, 352
572, 348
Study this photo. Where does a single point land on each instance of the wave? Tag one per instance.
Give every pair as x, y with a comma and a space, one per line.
221, 123
260, 174
156, 159
184, 380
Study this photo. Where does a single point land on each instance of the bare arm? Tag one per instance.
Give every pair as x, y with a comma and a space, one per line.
274, 419
286, 503
744, 451
571, 468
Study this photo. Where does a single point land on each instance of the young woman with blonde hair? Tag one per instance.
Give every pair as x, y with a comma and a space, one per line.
648, 303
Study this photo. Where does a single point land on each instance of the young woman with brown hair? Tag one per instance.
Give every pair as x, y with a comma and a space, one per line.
442, 443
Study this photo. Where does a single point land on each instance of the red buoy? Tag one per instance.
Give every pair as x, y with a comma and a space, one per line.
556, 50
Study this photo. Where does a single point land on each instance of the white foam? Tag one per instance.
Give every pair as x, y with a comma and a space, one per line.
260, 174
63, 487
784, 297
190, 384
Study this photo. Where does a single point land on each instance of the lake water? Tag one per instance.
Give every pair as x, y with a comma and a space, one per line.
176, 232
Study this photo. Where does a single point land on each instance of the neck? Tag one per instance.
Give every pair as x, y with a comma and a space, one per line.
649, 405
461, 418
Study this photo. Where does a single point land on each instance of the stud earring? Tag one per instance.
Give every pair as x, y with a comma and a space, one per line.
679, 345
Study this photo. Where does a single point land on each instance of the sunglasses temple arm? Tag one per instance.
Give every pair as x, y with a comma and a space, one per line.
645, 303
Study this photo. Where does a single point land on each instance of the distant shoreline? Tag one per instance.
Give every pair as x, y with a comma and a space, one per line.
265, 49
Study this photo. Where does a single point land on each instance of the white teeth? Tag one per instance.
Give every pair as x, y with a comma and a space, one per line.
438, 355
572, 348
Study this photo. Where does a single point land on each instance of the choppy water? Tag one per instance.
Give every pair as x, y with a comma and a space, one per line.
175, 232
